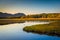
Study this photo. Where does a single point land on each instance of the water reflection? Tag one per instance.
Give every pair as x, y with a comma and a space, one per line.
15, 32
48, 34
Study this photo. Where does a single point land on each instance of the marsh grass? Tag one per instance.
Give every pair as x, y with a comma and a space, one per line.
5, 22
51, 29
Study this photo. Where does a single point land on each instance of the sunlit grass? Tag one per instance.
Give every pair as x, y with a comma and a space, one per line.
52, 28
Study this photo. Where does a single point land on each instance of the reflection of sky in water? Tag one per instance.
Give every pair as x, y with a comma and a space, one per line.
14, 31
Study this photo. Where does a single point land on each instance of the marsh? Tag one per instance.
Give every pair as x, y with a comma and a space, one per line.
15, 32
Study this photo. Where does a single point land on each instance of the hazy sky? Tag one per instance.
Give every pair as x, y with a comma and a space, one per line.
30, 6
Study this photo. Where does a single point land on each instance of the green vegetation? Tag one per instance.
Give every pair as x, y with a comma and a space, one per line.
50, 29
6, 18
22, 15
44, 15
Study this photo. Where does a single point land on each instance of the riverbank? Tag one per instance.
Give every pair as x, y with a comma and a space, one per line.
20, 20
4, 22
28, 19
49, 29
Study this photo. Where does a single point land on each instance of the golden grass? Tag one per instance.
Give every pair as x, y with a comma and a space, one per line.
52, 28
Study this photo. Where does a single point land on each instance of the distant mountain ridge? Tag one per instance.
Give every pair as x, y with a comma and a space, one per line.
11, 15
19, 15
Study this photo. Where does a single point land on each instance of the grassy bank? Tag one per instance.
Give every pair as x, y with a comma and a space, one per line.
4, 22
20, 20
50, 29
34, 19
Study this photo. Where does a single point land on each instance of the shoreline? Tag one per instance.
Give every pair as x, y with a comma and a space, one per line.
33, 19
48, 29
8, 21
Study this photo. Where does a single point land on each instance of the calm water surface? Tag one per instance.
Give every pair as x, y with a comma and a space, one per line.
15, 32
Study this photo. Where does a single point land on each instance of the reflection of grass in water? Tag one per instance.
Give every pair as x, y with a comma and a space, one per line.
51, 29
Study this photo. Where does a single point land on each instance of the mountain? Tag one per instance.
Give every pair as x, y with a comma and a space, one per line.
11, 15
5, 14
18, 15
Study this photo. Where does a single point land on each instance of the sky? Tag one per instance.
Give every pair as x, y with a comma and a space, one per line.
30, 6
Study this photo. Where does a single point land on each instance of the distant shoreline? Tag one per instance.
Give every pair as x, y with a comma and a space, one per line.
21, 20
33, 19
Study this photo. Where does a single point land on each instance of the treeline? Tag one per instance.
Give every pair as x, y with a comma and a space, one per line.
22, 15
44, 15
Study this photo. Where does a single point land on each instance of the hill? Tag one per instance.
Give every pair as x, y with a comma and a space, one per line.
7, 15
